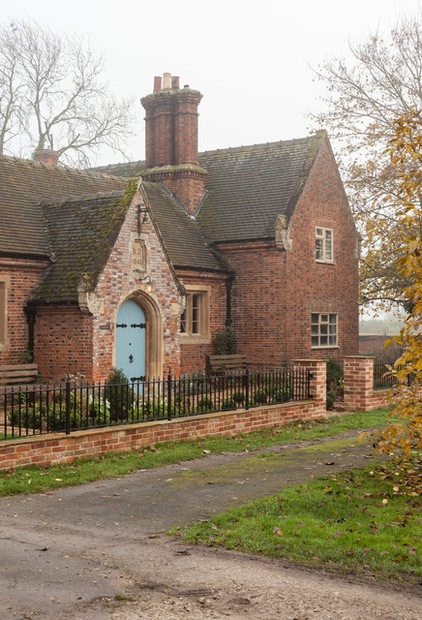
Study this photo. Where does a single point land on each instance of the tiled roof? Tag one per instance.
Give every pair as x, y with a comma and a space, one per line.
82, 232
24, 184
181, 234
248, 187
75, 215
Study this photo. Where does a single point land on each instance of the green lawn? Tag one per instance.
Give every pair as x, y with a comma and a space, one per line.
355, 522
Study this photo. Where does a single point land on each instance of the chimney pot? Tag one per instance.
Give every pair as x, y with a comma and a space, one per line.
175, 82
157, 83
166, 80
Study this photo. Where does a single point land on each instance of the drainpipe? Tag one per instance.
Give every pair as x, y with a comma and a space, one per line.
31, 315
229, 283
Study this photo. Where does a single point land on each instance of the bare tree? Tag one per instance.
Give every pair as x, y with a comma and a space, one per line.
52, 96
381, 81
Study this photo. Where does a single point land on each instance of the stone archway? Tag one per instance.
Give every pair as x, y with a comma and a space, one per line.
154, 351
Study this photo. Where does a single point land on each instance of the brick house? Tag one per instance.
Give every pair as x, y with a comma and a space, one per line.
139, 265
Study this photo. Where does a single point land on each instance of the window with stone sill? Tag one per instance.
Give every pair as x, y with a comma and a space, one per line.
324, 245
194, 321
324, 330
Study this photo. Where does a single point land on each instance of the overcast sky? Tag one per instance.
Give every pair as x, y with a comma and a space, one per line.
250, 60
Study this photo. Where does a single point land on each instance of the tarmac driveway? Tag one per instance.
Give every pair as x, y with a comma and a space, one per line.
99, 551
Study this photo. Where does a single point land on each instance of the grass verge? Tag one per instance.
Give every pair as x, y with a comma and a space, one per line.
355, 522
34, 479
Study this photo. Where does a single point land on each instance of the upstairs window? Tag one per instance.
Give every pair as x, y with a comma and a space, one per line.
324, 245
195, 318
324, 330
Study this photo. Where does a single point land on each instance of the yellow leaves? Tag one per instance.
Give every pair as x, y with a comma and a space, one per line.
404, 435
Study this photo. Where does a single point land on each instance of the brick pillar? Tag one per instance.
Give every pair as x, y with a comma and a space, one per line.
358, 382
318, 386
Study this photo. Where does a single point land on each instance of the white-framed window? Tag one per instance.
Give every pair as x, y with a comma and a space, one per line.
194, 321
324, 245
324, 330
3, 313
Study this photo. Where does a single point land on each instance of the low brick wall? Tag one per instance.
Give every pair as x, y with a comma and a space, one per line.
52, 449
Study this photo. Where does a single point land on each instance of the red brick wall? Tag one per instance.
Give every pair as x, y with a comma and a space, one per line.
322, 287
63, 342
276, 291
188, 186
52, 449
258, 307
21, 277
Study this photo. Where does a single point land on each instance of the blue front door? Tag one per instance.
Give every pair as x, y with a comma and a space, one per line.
130, 341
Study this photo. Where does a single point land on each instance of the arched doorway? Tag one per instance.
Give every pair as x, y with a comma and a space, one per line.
131, 341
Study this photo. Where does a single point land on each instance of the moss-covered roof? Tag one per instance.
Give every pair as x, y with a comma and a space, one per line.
81, 232
24, 184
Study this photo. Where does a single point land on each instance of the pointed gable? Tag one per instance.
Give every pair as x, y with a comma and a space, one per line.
249, 187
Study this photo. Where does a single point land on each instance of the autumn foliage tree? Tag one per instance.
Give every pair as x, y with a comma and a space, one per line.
53, 96
379, 81
403, 434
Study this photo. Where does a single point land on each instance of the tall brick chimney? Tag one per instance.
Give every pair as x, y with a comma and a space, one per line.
171, 140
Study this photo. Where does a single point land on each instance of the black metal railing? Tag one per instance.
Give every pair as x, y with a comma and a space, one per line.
383, 378
40, 409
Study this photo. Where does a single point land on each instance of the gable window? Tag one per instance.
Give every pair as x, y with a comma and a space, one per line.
3, 313
324, 330
195, 318
324, 245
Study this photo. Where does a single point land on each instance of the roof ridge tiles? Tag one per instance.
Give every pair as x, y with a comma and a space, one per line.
86, 172
261, 144
82, 198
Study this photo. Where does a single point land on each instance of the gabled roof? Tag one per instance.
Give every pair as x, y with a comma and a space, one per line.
74, 216
248, 187
82, 232
24, 184
181, 234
